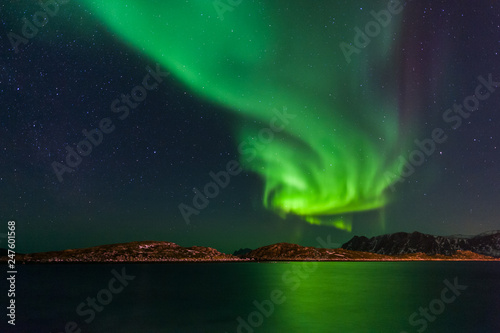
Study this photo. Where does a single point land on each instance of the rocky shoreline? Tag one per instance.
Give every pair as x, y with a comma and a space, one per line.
168, 252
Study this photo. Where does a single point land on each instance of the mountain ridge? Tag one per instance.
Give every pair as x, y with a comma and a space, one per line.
399, 246
139, 251
487, 244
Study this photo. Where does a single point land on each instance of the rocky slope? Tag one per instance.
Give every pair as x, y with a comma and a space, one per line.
291, 252
487, 244
145, 251
395, 247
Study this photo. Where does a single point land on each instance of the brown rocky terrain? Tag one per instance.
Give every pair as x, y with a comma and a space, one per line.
144, 251
156, 251
293, 252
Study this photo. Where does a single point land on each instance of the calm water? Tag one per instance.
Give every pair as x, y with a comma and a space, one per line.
292, 297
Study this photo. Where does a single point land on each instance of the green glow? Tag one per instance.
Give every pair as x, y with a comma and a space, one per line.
338, 223
332, 157
312, 307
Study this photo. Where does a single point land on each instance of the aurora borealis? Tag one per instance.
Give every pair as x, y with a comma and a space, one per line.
331, 159
142, 130
324, 171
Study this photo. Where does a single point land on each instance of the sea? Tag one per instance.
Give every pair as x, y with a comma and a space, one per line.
382, 297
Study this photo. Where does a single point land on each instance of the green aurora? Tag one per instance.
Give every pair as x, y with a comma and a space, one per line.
331, 159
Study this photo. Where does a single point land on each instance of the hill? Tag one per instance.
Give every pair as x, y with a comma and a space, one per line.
392, 247
294, 252
144, 251
487, 244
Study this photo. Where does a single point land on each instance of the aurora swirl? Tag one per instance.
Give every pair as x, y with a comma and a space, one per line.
332, 157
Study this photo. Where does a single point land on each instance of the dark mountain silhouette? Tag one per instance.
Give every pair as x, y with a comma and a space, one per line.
291, 252
241, 252
405, 243
391, 247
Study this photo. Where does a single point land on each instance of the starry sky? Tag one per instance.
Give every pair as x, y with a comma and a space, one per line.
309, 128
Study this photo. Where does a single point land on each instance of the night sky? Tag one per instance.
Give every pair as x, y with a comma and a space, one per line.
212, 83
